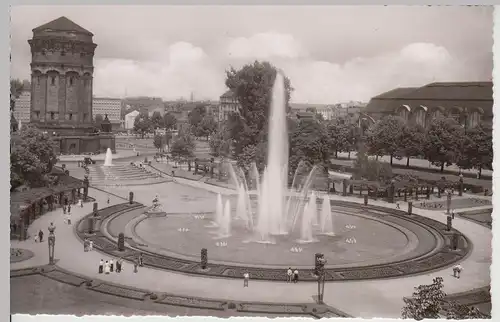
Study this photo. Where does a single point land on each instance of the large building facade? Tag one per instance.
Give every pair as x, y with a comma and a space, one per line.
62, 67
111, 107
22, 107
228, 104
469, 103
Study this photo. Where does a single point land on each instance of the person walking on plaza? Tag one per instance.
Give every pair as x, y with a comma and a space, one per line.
289, 275
295, 276
91, 245
85, 245
106, 267
118, 265
135, 266
457, 269
111, 265
246, 278
40, 235
108, 199
141, 261
397, 205
64, 209
80, 202
101, 266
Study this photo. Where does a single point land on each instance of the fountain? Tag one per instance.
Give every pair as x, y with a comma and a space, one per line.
225, 225
278, 209
109, 158
219, 211
326, 218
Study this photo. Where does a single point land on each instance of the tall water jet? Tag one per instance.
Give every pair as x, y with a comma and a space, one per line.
326, 219
219, 211
306, 235
314, 209
241, 206
225, 227
277, 162
108, 160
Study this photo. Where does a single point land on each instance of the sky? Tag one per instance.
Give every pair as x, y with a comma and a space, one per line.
331, 54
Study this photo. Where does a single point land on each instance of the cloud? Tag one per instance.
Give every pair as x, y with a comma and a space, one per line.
360, 78
264, 46
184, 68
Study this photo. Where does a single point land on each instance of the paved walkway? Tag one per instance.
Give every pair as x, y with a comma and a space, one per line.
366, 299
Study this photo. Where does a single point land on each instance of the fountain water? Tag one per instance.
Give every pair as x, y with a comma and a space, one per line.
108, 160
278, 208
225, 227
326, 218
219, 211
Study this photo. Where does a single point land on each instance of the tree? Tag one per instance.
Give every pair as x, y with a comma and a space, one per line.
157, 120
412, 142
426, 302
370, 169
169, 121
142, 124
195, 117
444, 141
429, 302
338, 130
183, 146
384, 137
16, 88
31, 159
98, 120
157, 141
252, 86
310, 143
207, 126
220, 143
477, 150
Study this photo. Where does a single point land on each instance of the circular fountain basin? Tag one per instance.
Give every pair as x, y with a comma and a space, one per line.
376, 242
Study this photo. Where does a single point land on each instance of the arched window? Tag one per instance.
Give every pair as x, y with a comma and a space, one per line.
473, 119
71, 81
52, 80
404, 112
419, 117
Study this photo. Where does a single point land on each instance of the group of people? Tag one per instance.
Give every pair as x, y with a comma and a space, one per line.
106, 267
292, 275
88, 245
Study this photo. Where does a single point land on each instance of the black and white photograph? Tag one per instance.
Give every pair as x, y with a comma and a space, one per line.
251, 161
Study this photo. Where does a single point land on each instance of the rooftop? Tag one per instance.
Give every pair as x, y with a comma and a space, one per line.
63, 24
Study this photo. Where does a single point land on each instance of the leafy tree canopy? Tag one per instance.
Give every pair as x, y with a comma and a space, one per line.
169, 121
32, 158
252, 85
444, 141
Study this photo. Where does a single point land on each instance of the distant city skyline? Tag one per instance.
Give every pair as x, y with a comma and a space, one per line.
331, 54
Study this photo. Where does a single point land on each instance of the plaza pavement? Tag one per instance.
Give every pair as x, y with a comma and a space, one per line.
366, 299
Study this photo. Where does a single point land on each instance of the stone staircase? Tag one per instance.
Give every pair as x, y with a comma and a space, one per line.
123, 174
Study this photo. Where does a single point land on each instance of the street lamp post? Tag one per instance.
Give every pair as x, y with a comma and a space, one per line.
52, 243
320, 272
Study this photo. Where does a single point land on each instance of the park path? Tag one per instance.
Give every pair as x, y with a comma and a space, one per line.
366, 299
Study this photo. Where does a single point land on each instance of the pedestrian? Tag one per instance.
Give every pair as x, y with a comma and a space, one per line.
101, 266
108, 199
397, 205
40, 235
457, 269
452, 214
91, 245
106, 267
85, 245
111, 265
80, 202
295, 275
135, 266
141, 261
289, 274
69, 209
64, 209
246, 277
118, 265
